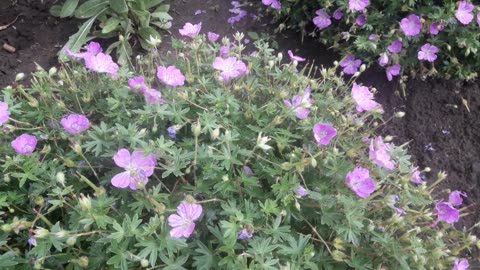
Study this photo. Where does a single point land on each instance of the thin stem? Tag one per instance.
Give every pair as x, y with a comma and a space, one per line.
314, 230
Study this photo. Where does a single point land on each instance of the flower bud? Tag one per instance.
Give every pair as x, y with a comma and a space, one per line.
77, 148
427, 169
196, 128
270, 64
144, 263
60, 177
283, 213
19, 77
338, 244
295, 63
41, 232
338, 255
313, 162
52, 71
39, 200
388, 138
83, 261
362, 68
399, 114
280, 56
71, 240
85, 203
214, 134
225, 178
297, 205
61, 234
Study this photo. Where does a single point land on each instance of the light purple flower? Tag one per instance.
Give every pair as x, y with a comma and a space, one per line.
230, 68
301, 104
361, 19
295, 57
446, 212
358, 5
363, 98
92, 48
224, 51
170, 75
172, 132
240, 14
372, 37
395, 46
411, 25
379, 155
4, 113
245, 234
101, 63
460, 264
322, 19
272, 3
24, 144
416, 177
338, 14
32, 241
428, 52
212, 36
182, 222
359, 181
350, 64
323, 133
153, 96
464, 12
247, 170
190, 30
393, 70
391, 201
75, 123
199, 11
436, 27
455, 197
478, 19
383, 59
301, 191
137, 84
138, 168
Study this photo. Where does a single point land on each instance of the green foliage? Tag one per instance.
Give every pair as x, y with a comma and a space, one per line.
458, 44
129, 20
61, 194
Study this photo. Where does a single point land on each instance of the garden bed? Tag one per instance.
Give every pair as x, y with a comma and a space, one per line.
442, 121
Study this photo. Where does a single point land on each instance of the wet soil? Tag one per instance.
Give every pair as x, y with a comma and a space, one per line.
442, 121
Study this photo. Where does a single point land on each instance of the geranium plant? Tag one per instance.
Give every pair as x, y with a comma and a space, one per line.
207, 160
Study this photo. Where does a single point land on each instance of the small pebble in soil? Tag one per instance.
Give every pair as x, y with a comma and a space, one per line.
429, 147
445, 131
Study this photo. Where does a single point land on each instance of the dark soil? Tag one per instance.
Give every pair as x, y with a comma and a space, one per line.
442, 132
36, 36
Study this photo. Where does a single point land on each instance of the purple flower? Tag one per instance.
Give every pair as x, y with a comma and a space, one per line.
460, 264
322, 20
247, 170
383, 59
350, 64
245, 234
323, 133
75, 123
272, 3
101, 63
359, 181
172, 132
4, 113
24, 144
199, 11
358, 5
455, 197
464, 12
170, 75
212, 36
32, 241
300, 104
428, 52
92, 48
391, 201
395, 46
182, 222
224, 51
338, 14
393, 70
361, 19
138, 168
478, 19
436, 27
446, 212
137, 84
153, 96
416, 177
230, 68
379, 155
411, 25
190, 30
295, 57
363, 98
372, 37
240, 14
301, 191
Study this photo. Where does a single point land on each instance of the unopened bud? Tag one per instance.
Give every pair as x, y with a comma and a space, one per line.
19, 77
77, 148
225, 178
362, 68
39, 200
338, 244
388, 138
356, 74
71, 240
338, 255
83, 261
144, 263
214, 134
271, 64
52, 71
313, 162
41, 233
85, 203
196, 129
280, 56
61, 234
399, 114
427, 169
60, 177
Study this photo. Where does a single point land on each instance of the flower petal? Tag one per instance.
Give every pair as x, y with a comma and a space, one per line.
121, 180
122, 158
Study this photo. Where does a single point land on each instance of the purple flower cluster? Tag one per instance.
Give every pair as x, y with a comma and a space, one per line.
75, 123
182, 222
190, 30
24, 144
137, 84
350, 65
460, 264
428, 52
96, 60
360, 182
300, 104
272, 3
411, 25
322, 20
230, 67
379, 153
358, 5
446, 210
464, 13
4, 112
323, 133
363, 98
138, 167
236, 10
170, 75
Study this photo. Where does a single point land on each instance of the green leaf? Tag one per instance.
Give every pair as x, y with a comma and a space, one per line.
7, 259
55, 10
91, 8
162, 16
68, 8
78, 39
162, 8
119, 6
253, 35
110, 25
